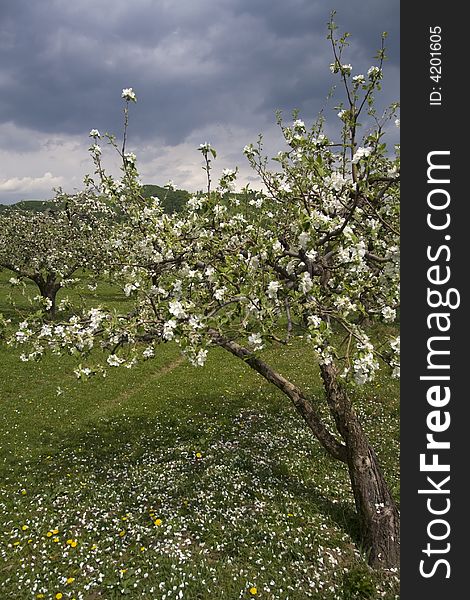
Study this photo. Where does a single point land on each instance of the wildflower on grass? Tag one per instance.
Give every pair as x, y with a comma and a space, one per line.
198, 455
157, 522
23, 492
58, 596
70, 580
122, 533
253, 591
24, 527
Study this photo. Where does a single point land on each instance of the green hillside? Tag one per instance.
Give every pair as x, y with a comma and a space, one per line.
33, 205
172, 200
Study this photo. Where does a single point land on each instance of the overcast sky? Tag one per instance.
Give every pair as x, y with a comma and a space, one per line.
203, 70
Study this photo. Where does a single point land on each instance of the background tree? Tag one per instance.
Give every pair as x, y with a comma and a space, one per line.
316, 256
50, 247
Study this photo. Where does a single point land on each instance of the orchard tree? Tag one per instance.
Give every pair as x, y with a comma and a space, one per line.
49, 247
316, 256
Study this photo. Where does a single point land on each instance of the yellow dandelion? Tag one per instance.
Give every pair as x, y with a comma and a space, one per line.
30, 541
253, 591
94, 547
122, 533
59, 595
69, 542
123, 518
55, 531
158, 522
16, 543
122, 571
23, 492
49, 534
142, 548
24, 527
55, 539
70, 580
198, 455
74, 544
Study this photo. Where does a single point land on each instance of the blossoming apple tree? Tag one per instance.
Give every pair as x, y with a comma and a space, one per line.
49, 247
313, 255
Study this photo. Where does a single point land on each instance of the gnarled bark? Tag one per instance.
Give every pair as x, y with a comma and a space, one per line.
377, 510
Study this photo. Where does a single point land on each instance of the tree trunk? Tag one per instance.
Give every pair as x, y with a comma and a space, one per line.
49, 291
377, 511
378, 514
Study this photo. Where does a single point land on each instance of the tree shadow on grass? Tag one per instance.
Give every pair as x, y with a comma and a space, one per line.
129, 443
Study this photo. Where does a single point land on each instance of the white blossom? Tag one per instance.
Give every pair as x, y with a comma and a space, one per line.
305, 282
168, 329
303, 239
176, 309
314, 321
201, 357
255, 340
149, 352
131, 287
219, 294
374, 72
358, 79
389, 314
360, 154
114, 361
129, 94
273, 287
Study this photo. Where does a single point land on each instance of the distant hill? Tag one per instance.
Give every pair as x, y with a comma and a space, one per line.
172, 200
33, 205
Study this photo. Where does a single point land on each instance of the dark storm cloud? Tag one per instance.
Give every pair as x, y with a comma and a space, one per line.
192, 63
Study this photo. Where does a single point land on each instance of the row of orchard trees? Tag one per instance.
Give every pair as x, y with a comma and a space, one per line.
316, 255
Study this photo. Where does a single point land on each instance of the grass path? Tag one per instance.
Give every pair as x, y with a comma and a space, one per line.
115, 402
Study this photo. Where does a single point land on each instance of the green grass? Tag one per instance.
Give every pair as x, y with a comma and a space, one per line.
166, 481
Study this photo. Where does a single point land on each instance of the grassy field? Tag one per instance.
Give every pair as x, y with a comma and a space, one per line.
166, 481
